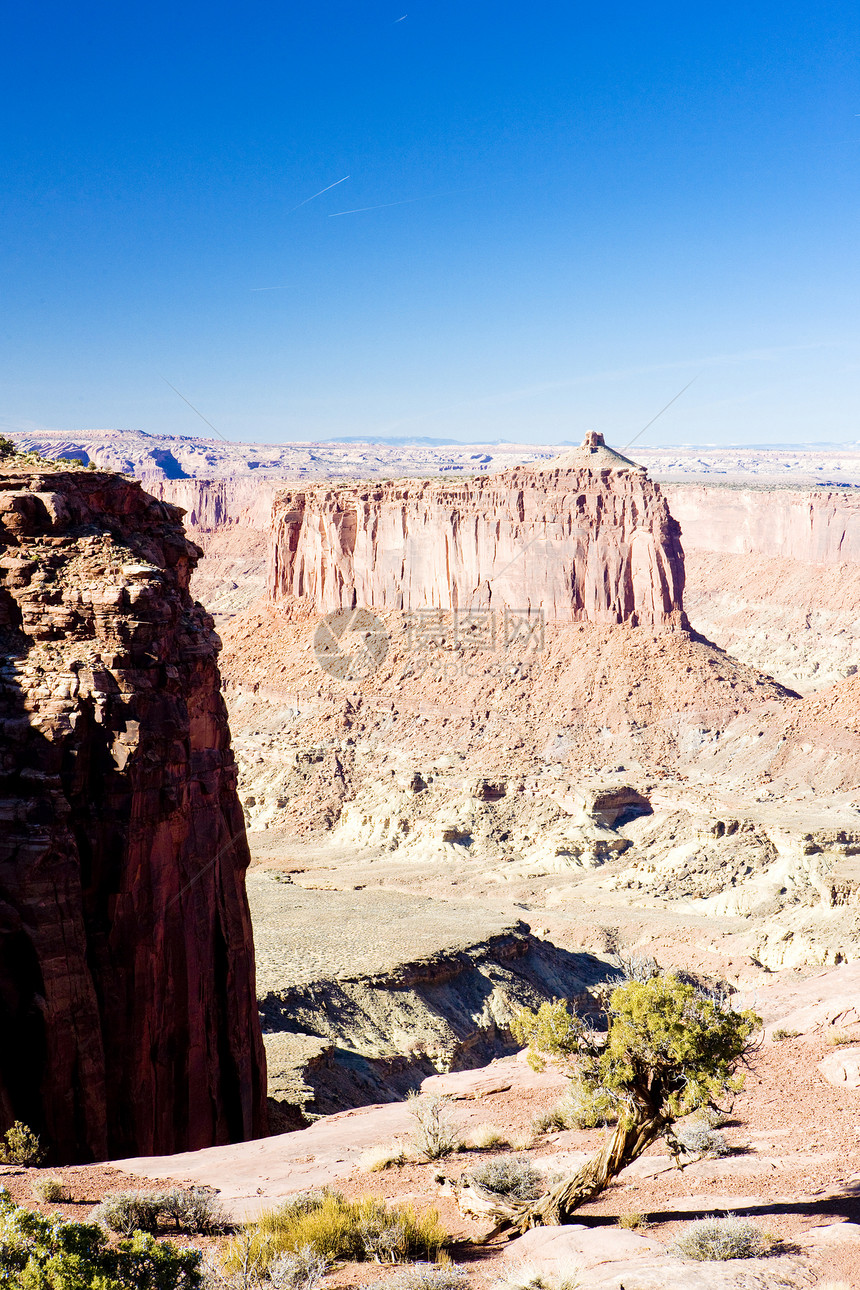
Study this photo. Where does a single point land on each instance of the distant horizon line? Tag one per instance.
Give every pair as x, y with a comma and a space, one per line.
401, 441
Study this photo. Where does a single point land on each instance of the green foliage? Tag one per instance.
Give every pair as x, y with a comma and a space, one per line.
7, 447
39, 1252
336, 1228
669, 1048
513, 1177
718, 1239
20, 1146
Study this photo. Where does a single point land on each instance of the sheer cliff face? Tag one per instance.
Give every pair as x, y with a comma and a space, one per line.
589, 538
127, 1003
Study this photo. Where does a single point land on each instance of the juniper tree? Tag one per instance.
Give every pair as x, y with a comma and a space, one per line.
669, 1048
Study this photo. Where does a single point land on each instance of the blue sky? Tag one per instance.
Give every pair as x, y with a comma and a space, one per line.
577, 210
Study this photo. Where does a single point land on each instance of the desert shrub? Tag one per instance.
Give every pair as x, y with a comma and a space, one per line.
20, 1146
633, 1222
300, 1269
636, 967
45, 1252
50, 1190
7, 447
698, 1139
841, 1040
192, 1209
125, 1212
486, 1136
524, 1276
434, 1134
510, 1176
714, 1239
426, 1276
336, 1228
781, 1034
377, 1158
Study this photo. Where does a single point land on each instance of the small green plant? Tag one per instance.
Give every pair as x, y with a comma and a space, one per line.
50, 1190
336, 1228
7, 447
513, 1177
434, 1134
426, 1276
780, 1035
633, 1222
46, 1252
719, 1239
20, 1146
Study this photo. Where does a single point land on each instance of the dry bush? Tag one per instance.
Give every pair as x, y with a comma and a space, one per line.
719, 1239
841, 1040
126, 1212
434, 1135
193, 1209
487, 1136
525, 1276
50, 1190
700, 1140
301, 1269
378, 1158
513, 1177
633, 1222
781, 1034
426, 1276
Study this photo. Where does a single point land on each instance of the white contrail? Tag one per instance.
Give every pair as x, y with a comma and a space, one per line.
319, 194
358, 209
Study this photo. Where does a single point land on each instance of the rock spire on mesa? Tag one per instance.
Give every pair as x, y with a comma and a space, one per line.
584, 537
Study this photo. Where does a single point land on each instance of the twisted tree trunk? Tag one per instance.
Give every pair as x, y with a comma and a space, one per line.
633, 1134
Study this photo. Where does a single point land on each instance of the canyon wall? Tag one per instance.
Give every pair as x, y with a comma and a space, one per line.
810, 526
211, 504
586, 538
127, 996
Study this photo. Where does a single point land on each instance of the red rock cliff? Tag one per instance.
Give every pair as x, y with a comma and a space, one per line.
586, 538
128, 1013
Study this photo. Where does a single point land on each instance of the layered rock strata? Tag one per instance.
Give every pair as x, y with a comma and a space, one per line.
127, 997
586, 538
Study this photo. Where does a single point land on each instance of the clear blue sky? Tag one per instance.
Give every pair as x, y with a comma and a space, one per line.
580, 207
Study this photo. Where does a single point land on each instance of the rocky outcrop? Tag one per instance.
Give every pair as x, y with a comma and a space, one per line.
127, 996
586, 538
